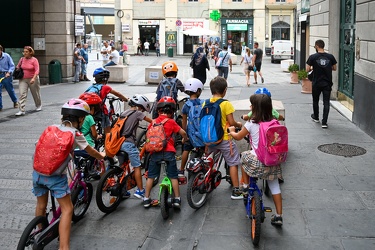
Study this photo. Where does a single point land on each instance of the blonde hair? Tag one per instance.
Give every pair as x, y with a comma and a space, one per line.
30, 49
248, 51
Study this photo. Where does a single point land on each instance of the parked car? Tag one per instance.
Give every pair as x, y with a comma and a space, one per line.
281, 50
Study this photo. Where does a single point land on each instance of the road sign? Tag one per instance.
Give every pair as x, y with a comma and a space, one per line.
215, 15
178, 23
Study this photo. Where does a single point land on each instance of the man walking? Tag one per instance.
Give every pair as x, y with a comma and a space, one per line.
322, 63
77, 62
6, 79
147, 47
85, 61
257, 62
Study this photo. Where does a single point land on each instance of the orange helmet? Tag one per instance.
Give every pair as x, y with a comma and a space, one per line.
90, 98
169, 67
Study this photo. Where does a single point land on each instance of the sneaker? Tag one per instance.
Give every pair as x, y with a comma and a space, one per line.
177, 202
314, 119
38, 108
126, 195
181, 173
140, 194
255, 83
20, 113
15, 105
324, 125
146, 202
236, 194
276, 220
262, 80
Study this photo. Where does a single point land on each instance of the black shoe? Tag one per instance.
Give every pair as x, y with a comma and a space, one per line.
177, 202
236, 194
147, 203
324, 125
276, 220
314, 119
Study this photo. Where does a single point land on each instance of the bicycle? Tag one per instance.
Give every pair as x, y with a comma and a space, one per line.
116, 181
205, 176
41, 230
115, 109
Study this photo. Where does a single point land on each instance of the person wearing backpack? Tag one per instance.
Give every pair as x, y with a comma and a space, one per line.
222, 120
138, 105
169, 86
101, 88
166, 108
261, 106
73, 115
190, 120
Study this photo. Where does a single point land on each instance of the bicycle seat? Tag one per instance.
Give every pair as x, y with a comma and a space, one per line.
122, 157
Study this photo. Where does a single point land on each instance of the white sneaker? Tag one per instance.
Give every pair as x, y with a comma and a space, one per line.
20, 113
38, 108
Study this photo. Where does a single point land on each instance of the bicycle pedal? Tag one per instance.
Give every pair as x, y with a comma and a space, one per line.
267, 209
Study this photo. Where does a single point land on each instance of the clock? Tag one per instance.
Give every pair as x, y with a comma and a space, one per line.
120, 13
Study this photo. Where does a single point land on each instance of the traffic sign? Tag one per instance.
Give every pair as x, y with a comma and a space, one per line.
178, 23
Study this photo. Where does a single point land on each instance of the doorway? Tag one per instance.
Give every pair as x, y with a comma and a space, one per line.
149, 33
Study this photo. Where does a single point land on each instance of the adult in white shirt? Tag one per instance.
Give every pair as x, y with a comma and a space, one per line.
105, 51
147, 47
114, 57
247, 59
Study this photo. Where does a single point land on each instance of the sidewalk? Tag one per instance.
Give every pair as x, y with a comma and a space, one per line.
328, 200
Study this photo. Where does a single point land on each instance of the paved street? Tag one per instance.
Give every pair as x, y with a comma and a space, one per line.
328, 200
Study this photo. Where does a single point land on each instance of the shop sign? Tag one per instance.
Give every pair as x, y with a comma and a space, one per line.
125, 27
148, 22
245, 21
190, 24
79, 26
171, 38
237, 27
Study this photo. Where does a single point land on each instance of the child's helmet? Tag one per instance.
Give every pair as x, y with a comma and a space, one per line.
91, 98
166, 101
169, 67
263, 91
193, 84
140, 101
101, 74
76, 107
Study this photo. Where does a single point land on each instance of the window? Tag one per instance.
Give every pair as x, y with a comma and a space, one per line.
193, 0
149, 0
236, 0
280, 31
280, 1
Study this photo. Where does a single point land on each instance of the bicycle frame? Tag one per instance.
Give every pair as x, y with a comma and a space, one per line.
253, 187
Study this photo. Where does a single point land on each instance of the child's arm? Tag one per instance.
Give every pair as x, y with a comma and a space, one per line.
147, 119
245, 117
238, 135
232, 122
94, 133
119, 95
184, 121
94, 153
183, 134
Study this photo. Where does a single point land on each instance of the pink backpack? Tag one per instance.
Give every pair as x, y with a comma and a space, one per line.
273, 143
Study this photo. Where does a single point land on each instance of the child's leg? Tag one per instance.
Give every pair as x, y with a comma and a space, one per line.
176, 187
276, 195
245, 177
233, 171
65, 221
41, 205
149, 184
184, 158
138, 177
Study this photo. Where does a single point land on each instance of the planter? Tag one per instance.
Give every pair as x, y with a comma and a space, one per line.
306, 86
293, 77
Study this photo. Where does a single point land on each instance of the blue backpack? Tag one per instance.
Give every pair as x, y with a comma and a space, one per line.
210, 122
168, 87
95, 88
193, 124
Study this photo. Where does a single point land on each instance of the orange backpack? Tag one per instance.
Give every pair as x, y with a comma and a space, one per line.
156, 137
114, 140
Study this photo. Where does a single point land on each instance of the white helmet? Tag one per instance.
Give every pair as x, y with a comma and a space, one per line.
140, 101
193, 84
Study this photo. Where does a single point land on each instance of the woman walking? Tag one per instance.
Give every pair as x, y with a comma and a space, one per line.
199, 63
30, 66
248, 62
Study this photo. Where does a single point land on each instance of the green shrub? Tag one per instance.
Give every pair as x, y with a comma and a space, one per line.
293, 67
302, 74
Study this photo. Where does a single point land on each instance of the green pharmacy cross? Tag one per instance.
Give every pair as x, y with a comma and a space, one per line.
215, 15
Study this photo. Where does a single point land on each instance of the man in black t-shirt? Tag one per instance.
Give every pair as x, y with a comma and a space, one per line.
322, 63
257, 62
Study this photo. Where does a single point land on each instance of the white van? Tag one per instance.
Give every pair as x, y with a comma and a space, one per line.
281, 50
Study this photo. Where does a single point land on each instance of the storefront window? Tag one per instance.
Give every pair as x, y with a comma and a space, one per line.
280, 31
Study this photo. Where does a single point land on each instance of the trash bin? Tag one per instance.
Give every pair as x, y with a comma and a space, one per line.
54, 72
170, 52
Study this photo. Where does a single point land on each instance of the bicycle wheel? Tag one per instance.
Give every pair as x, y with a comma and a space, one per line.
196, 196
80, 203
109, 190
256, 218
31, 232
164, 202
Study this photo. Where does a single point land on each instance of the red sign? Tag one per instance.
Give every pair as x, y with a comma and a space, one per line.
178, 23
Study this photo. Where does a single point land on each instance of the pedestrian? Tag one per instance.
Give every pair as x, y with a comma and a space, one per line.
226, 63
73, 114
89, 43
215, 51
6, 79
30, 66
199, 63
84, 62
157, 47
147, 47
257, 62
166, 107
105, 51
261, 107
77, 63
124, 52
114, 57
219, 87
248, 65
322, 64
139, 46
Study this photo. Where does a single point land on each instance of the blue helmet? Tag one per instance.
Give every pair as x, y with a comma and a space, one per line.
101, 74
263, 91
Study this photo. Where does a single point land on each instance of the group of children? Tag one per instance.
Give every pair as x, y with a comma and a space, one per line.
78, 113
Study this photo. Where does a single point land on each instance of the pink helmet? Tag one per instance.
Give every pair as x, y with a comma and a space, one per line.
76, 107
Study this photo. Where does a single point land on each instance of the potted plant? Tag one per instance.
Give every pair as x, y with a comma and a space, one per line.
293, 68
306, 83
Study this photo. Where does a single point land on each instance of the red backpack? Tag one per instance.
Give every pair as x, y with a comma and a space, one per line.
156, 137
52, 152
273, 143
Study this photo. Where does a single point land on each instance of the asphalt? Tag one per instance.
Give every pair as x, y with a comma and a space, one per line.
328, 200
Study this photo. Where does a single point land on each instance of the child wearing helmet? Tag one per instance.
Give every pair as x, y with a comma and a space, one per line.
193, 87
101, 88
138, 105
166, 108
275, 114
73, 115
170, 85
